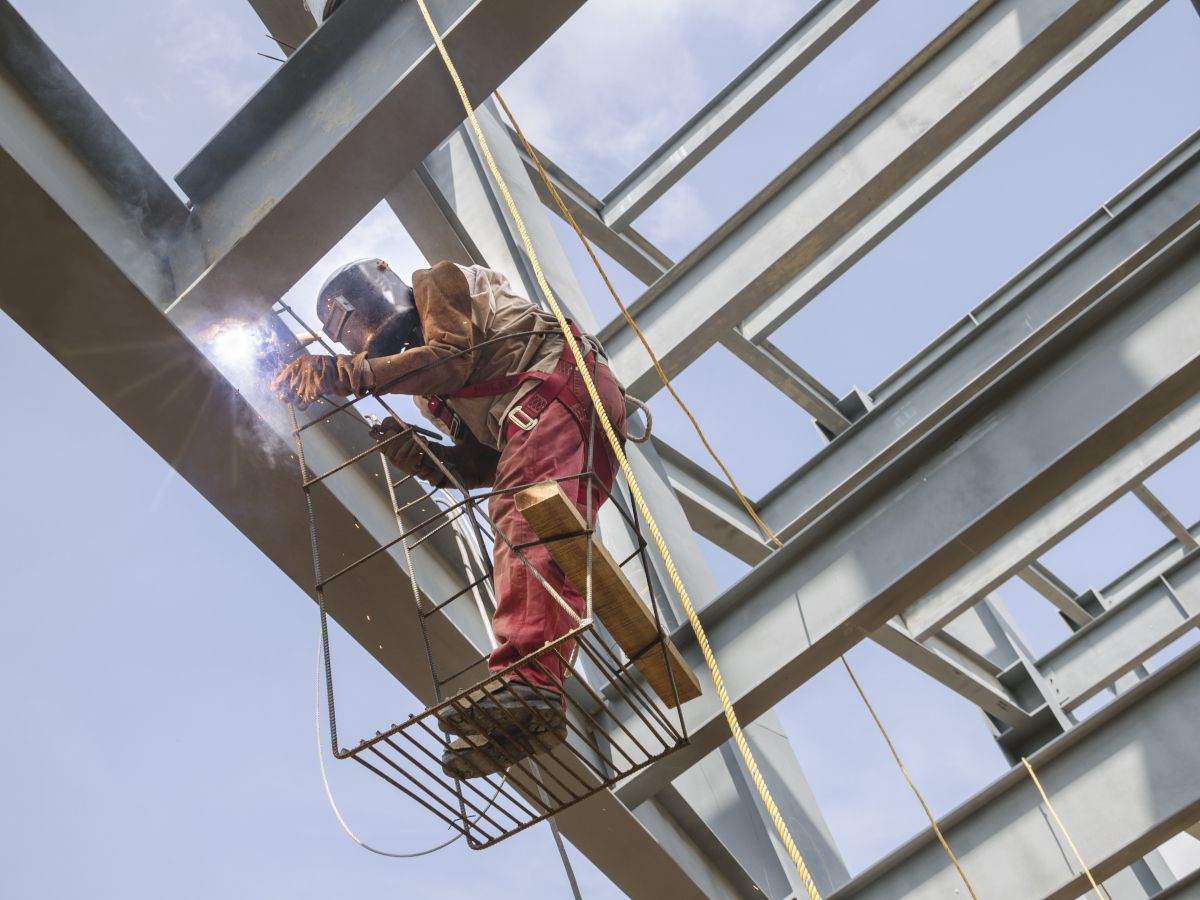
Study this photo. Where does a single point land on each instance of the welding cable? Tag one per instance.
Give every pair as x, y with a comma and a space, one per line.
635, 491
333, 803
558, 841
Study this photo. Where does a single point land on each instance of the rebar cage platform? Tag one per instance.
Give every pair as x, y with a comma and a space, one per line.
537, 773
531, 765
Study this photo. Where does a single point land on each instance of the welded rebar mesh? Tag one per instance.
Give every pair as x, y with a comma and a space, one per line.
529, 770
533, 765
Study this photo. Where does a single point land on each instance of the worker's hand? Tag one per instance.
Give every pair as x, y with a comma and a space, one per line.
403, 451
306, 378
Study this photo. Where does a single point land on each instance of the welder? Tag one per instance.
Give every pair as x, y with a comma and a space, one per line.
494, 373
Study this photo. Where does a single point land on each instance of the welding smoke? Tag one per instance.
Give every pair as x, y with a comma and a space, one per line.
250, 352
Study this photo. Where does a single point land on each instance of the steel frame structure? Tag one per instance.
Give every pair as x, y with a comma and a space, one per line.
969, 437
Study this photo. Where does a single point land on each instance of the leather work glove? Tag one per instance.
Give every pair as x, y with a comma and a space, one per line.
307, 377
405, 453
472, 462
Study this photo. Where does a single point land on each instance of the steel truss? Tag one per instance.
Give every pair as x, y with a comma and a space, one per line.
969, 438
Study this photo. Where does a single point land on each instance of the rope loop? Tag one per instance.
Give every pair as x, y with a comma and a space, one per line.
645, 408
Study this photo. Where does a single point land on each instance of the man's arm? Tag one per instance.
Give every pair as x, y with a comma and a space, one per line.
440, 366
473, 463
444, 362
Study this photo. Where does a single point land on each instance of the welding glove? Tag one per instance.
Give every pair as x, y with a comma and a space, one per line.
405, 453
472, 462
306, 378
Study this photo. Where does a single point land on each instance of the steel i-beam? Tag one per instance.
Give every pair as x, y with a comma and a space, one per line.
762, 79
1126, 366
1122, 782
358, 106
988, 72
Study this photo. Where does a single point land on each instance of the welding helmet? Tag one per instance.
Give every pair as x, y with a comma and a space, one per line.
365, 306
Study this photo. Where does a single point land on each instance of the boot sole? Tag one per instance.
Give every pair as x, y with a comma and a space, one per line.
497, 754
502, 712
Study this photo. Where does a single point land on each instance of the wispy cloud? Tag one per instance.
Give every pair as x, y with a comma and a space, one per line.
621, 75
678, 220
211, 50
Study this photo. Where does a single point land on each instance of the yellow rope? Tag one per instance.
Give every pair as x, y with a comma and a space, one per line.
701, 638
896, 756
587, 245
728, 476
1063, 829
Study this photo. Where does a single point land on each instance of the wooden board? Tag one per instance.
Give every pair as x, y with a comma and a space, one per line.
615, 601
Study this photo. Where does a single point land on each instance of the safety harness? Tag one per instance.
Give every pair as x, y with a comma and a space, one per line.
562, 383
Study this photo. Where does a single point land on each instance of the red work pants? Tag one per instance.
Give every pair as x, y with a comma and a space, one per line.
527, 615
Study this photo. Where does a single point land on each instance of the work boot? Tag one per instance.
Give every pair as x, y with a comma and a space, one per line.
476, 755
504, 707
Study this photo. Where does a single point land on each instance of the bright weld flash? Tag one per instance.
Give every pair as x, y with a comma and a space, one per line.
234, 345
241, 350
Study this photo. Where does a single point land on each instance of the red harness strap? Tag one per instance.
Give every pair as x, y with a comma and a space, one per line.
553, 385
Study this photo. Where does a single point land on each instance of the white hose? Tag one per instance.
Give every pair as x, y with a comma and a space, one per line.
333, 803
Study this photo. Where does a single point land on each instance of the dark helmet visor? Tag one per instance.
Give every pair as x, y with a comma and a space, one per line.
364, 305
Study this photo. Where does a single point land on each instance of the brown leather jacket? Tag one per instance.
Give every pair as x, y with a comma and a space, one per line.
476, 327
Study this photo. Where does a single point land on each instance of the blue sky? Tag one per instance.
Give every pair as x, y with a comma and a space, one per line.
158, 683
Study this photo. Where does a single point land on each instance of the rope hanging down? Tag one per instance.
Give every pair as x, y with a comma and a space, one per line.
587, 245
701, 638
1063, 829
903, 771
565, 210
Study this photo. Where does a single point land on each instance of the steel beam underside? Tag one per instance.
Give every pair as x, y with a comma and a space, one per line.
1125, 635
331, 133
627, 247
713, 512
1146, 571
712, 508
1142, 221
1134, 225
1000, 332
816, 30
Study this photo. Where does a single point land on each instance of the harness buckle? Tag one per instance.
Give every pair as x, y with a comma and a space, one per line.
522, 419
456, 426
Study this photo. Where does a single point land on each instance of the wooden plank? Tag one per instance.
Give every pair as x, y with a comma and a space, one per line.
615, 601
